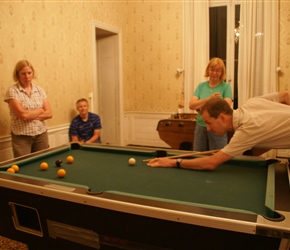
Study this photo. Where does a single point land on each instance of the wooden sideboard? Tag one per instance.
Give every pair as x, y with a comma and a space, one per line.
178, 131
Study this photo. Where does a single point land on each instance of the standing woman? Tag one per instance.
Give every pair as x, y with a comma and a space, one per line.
214, 87
29, 108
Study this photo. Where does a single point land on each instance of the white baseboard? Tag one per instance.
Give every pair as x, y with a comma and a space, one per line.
57, 136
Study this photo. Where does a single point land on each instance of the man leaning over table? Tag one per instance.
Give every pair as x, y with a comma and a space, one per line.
262, 122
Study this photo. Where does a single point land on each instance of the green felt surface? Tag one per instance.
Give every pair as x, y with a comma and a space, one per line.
236, 185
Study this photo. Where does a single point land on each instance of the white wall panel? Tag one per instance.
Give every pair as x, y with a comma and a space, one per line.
140, 129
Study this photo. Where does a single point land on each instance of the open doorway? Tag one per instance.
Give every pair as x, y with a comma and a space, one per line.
106, 100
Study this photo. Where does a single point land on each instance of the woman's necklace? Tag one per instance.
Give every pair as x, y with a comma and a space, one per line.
212, 86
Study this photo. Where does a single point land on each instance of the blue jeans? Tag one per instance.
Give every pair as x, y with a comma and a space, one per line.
204, 140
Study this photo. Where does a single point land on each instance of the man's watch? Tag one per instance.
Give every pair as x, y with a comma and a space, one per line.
178, 162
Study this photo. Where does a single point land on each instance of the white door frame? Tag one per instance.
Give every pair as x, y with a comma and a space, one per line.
95, 105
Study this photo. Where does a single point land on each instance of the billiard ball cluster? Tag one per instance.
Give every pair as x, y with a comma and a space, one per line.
58, 163
44, 166
13, 169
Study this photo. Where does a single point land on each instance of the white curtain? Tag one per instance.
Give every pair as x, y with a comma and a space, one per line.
258, 49
200, 40
196, 43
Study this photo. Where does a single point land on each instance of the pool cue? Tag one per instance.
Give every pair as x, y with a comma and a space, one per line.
186, 155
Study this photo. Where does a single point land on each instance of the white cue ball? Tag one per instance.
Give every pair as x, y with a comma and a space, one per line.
132, 161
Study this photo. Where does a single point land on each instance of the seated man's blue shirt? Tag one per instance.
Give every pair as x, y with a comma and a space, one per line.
85, 130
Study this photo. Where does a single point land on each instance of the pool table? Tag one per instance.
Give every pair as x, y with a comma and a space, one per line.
105, 203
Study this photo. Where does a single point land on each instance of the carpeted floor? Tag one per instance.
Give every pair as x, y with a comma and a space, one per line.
9, 244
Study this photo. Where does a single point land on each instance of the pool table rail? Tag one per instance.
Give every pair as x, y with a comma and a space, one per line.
236, 221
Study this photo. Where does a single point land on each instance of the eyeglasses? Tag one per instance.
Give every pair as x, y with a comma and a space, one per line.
215, 70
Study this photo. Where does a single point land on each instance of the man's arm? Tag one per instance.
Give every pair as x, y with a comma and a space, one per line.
203, 163
284, 97
95, 137
75, 138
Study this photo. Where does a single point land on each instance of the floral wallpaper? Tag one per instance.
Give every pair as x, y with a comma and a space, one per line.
284, 48
152, 54
56, 37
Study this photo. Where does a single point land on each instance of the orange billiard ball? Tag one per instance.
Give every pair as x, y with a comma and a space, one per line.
69, 159
61, 173
10, 170
44, 166
15, 167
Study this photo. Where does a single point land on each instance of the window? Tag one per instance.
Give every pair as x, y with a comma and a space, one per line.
219, 37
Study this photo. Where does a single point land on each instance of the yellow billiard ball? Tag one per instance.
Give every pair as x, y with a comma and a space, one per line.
61, 173
44, 166
15, 167
69, 159
10, 170
132, 161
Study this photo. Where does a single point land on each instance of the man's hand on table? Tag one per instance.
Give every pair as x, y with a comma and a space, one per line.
162, 162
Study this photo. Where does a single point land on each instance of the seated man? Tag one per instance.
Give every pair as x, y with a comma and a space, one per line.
85, 127
262, 122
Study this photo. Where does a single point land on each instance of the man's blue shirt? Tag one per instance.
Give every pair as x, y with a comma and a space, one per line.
85, 129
